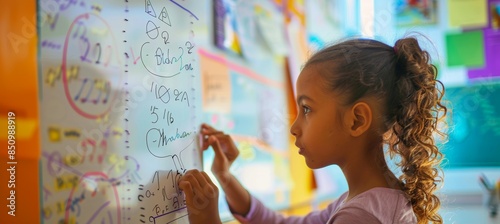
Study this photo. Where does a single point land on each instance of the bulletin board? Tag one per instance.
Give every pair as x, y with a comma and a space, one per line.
252, 108
243, 85
119, 117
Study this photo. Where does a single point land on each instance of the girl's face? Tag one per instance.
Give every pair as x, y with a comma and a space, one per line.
321, 135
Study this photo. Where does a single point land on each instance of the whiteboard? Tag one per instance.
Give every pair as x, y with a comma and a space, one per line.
118, 109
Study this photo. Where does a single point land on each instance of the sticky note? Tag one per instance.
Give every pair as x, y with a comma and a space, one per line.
468, 13
216, 84
54, 134
465, 49
491, 69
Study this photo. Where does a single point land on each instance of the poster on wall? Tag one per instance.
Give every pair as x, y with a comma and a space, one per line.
225, 26
416, 12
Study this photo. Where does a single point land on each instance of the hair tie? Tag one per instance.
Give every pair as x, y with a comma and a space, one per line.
395, 49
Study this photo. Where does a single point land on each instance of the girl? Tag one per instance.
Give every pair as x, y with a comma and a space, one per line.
353, 97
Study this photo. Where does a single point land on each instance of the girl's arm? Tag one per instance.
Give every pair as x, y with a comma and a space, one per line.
246, 208
202, 204
225, 153
259, 214
237, 196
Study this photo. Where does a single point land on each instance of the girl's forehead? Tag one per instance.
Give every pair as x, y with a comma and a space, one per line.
310, 78
311, 83
314, 83
307, 73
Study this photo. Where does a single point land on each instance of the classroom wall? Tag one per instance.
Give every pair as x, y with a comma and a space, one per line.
324, 21
20, 149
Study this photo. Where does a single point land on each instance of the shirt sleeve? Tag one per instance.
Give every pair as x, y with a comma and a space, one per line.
259, 214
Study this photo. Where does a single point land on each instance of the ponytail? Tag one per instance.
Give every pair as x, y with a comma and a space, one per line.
419, 111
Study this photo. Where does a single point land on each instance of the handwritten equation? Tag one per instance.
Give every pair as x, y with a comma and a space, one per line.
159, 56
164, 185
168, 133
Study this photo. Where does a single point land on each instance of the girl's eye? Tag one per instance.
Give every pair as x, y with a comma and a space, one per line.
306, 109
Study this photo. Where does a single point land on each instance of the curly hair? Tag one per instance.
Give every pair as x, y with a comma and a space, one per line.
405, 84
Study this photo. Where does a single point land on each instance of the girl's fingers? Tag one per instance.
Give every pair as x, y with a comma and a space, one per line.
205, 132
220, 135
207, 185
199, 178
205, 143
186, 187
213, 190
219, 154
227, 142
207, 129
190, 177
191, 197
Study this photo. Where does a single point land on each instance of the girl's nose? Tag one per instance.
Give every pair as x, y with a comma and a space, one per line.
294, 130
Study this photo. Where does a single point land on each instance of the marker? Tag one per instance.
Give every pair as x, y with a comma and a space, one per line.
200, 144
484, 181
200, 140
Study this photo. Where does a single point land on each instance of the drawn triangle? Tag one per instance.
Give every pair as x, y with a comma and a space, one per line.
164, 17
149, 8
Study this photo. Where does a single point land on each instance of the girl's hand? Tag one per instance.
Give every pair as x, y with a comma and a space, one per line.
201, 197
224, 148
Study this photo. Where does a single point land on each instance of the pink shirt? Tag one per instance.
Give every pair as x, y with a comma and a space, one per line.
375, 206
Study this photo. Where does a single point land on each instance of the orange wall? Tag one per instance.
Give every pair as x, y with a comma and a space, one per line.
19, 94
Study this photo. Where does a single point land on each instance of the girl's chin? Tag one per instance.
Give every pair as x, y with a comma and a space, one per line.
301, 151
313, 165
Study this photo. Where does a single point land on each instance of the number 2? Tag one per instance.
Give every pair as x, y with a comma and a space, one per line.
189, 46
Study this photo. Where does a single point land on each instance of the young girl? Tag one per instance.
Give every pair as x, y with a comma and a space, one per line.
353, 97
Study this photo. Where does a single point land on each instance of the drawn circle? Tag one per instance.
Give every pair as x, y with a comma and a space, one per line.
79, 109
152, 30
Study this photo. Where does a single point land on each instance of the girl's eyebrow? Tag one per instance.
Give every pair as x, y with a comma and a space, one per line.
304, 97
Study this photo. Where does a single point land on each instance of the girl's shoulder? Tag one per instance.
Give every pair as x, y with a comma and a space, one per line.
384, 204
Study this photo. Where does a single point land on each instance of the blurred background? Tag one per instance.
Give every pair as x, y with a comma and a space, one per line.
248, 55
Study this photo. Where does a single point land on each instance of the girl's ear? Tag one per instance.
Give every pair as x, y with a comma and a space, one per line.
360, 118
